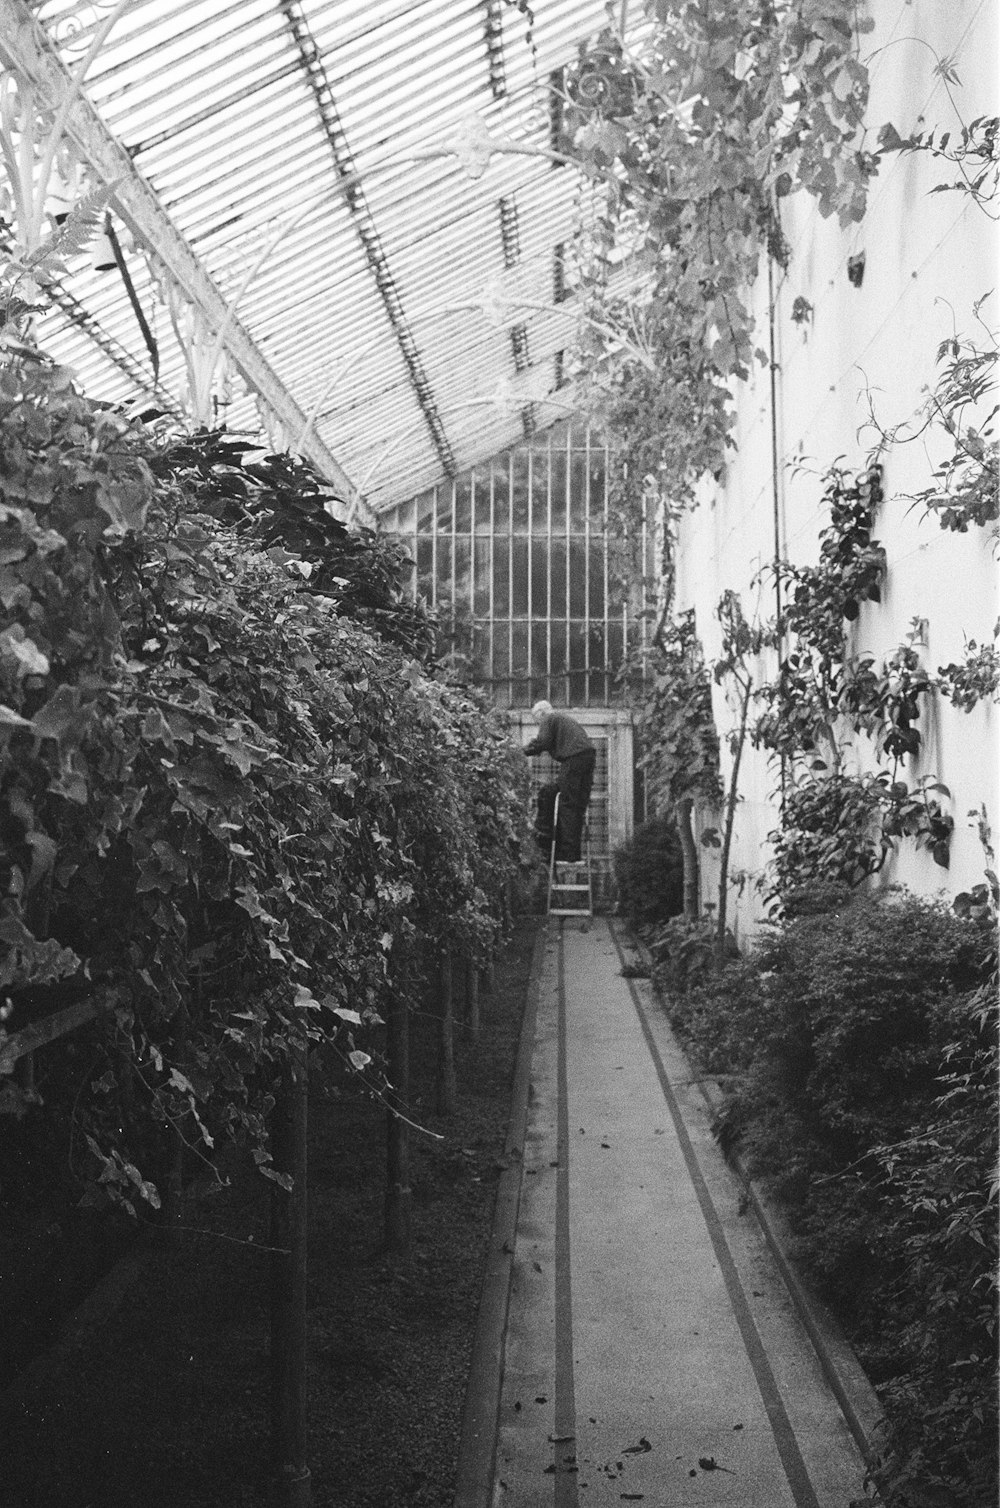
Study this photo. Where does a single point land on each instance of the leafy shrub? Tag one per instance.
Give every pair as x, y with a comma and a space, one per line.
863, 1039
649, 873
686, 952
937, 1190
815, 898
851, 1011
231, 790
717, 1014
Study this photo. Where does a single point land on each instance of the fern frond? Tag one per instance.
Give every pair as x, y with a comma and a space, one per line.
78, 229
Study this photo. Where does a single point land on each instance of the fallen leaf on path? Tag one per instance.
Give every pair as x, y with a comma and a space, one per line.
709, 1463
638, 1450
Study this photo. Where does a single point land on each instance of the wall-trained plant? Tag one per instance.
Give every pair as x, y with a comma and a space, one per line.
840, 821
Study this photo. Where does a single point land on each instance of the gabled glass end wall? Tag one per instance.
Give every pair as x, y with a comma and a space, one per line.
531, 582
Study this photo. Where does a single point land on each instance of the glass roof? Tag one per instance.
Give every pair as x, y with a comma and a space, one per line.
325, 163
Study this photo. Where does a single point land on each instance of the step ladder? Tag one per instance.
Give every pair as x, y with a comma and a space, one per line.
568, 896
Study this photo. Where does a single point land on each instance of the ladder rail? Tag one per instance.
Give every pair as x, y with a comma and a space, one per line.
570, 888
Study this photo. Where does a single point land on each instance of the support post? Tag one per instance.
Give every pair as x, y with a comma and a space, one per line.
174, 1192
292, 1488
472, 997
446, 1093
398, 1193
26, 1074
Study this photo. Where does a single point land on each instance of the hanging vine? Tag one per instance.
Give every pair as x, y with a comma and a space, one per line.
698, 134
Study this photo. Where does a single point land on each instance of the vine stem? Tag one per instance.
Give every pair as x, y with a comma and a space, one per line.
976, 196
732, 797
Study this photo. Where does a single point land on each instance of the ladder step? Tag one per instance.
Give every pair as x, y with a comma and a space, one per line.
563, 890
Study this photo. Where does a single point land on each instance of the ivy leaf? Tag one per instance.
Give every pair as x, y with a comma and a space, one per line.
283, 1180
71, 784
348, 1015
60, 714
156, 729
28, 658
43, 857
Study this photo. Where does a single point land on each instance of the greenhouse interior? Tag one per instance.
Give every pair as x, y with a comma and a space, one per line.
499, 669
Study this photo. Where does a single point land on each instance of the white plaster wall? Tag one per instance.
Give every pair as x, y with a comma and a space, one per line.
929, 258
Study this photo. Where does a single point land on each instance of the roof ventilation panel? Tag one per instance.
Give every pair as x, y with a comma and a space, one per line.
493, 29
510, 235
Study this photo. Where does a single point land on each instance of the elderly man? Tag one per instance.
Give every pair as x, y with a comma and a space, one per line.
561, 735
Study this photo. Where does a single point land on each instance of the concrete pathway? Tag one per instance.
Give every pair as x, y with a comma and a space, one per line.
652, 1352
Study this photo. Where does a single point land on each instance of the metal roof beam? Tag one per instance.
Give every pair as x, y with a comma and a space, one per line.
26, 50
349, 178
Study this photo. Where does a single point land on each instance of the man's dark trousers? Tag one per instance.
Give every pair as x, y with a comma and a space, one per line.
576, 777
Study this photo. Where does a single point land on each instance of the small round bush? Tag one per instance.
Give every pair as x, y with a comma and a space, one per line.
649, 871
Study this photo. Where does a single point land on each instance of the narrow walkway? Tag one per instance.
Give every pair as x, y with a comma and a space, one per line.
652, 1352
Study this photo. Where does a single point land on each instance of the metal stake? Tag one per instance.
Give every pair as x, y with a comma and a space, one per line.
292, 1487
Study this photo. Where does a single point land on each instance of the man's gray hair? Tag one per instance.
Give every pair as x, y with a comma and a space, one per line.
542, 709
